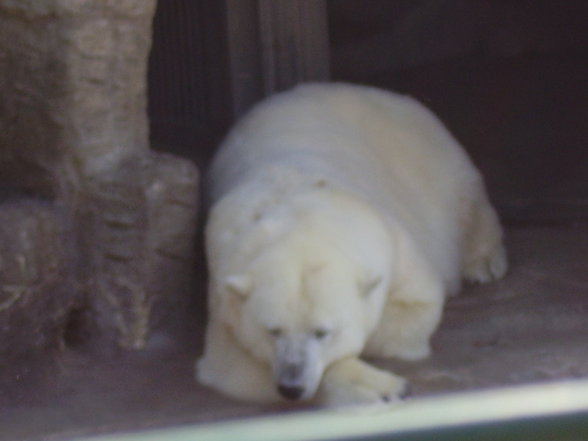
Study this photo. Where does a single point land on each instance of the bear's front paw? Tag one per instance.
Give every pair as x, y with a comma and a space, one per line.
352, 382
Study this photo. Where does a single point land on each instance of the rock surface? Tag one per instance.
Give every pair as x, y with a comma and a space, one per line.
99, 253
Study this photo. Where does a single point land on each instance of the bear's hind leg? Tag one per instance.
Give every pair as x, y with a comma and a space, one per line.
412, 310
351, 382
484, 255
405, 330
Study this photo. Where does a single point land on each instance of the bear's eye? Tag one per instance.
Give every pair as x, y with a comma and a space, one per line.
321, 333
275, 332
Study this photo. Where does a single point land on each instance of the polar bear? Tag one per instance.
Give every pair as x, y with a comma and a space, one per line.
341, 217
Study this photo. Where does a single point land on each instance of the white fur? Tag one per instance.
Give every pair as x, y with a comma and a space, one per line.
341, 217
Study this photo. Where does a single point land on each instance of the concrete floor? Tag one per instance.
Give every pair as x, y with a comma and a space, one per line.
530, 327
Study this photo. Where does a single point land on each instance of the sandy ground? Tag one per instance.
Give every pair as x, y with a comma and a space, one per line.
530, 327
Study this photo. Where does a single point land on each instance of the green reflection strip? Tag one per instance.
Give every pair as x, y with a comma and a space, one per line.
550, 412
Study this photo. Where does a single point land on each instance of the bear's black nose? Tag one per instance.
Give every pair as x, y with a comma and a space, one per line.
290, 392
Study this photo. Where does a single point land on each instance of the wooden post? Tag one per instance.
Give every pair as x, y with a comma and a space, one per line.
273, 45
294, 42
243, 46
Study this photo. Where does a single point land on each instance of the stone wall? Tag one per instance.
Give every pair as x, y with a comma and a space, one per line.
96, 238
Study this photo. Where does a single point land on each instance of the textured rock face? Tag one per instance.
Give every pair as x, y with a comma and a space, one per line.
138, 220
73, 74
34, 279
107, 255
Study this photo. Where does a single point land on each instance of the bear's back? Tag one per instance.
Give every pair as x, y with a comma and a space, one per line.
350, 132
386, 148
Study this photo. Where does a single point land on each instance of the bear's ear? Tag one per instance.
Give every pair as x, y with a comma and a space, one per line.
368, 284
241, 285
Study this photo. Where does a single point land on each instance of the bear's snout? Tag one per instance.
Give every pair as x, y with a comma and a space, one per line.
291, 392
298, 366
291, 381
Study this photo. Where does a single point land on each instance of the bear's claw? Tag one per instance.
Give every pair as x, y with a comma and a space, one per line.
489, 268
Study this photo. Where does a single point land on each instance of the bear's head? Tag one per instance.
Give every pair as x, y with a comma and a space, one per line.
304, 303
